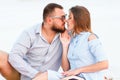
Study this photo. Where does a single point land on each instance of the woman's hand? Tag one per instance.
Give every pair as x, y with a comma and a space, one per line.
65, 39
71, 72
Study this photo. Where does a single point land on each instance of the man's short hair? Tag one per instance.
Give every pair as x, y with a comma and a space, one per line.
49, 9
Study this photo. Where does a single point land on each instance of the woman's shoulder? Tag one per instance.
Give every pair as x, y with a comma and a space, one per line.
91, 36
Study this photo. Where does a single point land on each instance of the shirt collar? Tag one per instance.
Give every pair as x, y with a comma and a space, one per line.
39, 31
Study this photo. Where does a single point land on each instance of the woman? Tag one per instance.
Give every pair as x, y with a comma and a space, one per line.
83, 55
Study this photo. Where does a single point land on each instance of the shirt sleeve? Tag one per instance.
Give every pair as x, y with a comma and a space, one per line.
17, 54
97, 50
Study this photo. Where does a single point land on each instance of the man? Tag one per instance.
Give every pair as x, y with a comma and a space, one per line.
38, 49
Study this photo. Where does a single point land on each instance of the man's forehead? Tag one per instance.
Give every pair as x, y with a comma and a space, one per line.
59, 11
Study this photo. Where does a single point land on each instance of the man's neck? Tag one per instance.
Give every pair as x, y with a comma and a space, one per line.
47, 33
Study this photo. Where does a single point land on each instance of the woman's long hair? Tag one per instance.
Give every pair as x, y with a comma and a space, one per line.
81, 18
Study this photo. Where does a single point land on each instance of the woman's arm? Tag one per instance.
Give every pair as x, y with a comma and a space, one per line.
65, 63
95, 67
86, 69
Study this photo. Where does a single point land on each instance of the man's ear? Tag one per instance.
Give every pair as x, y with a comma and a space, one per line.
49, 20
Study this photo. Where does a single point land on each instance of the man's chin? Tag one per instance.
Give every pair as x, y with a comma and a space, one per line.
63, 31
59, 30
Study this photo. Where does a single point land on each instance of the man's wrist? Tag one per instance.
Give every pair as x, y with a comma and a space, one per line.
37, 74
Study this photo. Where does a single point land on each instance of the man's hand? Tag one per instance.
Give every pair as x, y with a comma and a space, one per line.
41, 76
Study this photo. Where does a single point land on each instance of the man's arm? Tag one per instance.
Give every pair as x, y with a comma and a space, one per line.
18, 52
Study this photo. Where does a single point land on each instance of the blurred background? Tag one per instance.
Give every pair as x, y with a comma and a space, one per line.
17, 15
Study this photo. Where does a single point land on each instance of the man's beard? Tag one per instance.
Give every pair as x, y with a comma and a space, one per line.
54, 28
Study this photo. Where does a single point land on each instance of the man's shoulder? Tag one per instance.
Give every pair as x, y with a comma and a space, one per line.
33, 29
